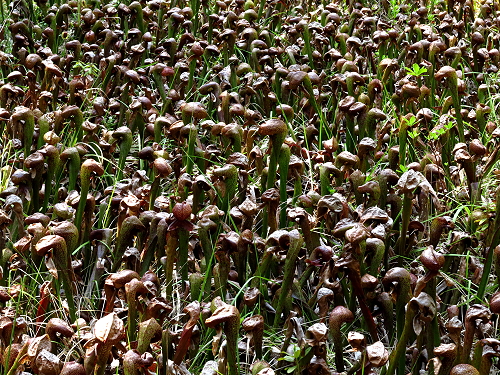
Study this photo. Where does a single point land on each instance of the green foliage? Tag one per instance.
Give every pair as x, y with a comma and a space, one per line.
416, 70
87, 69
437, 132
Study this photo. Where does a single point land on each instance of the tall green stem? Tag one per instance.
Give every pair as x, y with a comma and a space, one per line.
284, 162
450, 74
182, 263
277, 130
60, 256
296, 242
124, 136
229, 173
25, 114
89, 166
71, 154
129, 228
405, 222
230, 317
53, 162
171, 247
495, 240
402, 278
398, 357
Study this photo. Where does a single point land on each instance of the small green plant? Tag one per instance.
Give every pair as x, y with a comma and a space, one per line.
87, 69
416, 70
414, 133
394, 9
412, 121
292, 358
438, 132
403, 168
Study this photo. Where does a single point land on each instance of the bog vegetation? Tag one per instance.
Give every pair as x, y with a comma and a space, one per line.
243, 187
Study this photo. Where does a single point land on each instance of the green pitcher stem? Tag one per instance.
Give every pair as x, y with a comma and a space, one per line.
102, 359
296, 242
190, 151
182, 263
171, 247
405, 222
284, 162
85, 184
397, 358
68, 290
495, 240
403, 132
125, 145
262, 268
